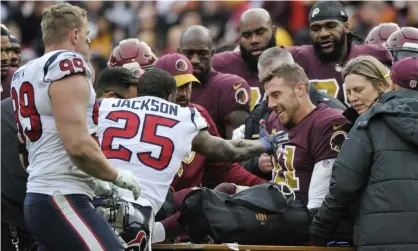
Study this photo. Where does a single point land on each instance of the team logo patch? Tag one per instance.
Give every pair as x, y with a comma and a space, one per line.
139, 243
262, 218
337, 140
241, 96
413, 83
181, 65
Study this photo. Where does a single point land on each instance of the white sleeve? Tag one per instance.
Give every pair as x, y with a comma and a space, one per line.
65, 63
319, 186
239, 133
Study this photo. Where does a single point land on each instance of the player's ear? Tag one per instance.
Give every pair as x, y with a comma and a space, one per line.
274, 28
75, 35
213, 51
108, 95
347, 27
299, 89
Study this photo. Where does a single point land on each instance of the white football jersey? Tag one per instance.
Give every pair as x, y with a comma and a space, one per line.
148, 136
50, 168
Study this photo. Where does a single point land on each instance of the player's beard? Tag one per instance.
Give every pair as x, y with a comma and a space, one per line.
291, 110
250, 59
182, 101
333, 56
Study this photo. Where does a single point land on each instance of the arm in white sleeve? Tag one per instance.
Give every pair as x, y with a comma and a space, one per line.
319, 186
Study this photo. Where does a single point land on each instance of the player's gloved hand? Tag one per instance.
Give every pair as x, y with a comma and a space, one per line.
102, 187
272, 142
239, 132
127, 180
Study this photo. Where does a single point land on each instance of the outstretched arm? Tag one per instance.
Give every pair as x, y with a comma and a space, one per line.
226, 150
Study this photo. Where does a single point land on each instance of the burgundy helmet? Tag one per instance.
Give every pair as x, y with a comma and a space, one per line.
403, 43
379, 34
134, 54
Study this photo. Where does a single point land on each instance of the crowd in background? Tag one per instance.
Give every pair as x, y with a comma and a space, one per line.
160, 23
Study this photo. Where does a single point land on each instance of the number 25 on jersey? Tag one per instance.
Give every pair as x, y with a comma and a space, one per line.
147, 135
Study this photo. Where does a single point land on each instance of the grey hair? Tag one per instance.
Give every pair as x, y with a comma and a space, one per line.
276, 55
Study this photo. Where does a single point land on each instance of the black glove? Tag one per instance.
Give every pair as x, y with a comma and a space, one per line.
272, 142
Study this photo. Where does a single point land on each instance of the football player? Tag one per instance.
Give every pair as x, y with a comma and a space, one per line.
381, 33
132, 50
268, 60
225, 96
257, 33
331, 48
151, 136
316, 134
117, 82
403, 43
6, 75
195, 166
14, 178
54, 103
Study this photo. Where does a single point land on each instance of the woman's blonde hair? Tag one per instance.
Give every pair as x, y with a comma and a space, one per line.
372, 69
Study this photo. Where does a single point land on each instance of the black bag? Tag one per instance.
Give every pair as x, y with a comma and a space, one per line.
259, 215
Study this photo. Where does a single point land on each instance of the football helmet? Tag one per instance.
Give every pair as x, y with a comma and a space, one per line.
132, 226
131, 52
379, 34
403, 43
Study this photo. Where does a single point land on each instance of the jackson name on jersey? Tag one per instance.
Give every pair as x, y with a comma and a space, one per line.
150, 137
50, 168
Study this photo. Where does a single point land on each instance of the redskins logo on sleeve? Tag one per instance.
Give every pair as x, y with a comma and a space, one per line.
241, 95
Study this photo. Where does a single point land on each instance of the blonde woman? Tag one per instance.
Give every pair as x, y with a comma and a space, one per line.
377, 167
366, 79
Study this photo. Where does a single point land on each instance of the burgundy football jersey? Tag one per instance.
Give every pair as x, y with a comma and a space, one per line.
232, 62
6, 82
328, 77
319, 136
222, 94
195, 166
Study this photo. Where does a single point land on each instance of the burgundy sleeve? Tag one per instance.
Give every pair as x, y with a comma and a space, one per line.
211, 125
217, 173
328, 138
236, 95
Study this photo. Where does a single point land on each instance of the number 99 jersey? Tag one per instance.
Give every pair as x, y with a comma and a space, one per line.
150, 137
50, 168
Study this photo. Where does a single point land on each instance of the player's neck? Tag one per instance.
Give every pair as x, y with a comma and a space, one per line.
304, 109
56, 47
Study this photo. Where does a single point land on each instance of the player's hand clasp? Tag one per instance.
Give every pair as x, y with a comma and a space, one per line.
272, 142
